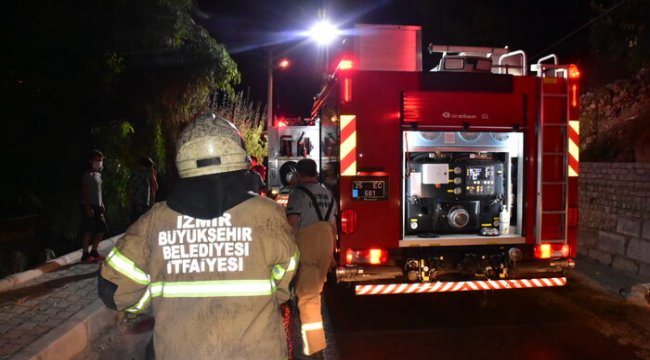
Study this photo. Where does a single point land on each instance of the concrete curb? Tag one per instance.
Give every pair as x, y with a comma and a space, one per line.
14, 280
635, 289
71, 338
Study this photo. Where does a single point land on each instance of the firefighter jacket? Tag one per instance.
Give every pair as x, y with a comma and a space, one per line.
214, 286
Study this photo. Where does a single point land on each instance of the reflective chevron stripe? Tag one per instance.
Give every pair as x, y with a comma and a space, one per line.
451, 286
348, 145
574, 148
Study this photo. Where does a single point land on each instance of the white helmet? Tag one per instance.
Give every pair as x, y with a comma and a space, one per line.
210, 145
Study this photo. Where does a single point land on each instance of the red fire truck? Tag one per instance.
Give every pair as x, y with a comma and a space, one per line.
458, 178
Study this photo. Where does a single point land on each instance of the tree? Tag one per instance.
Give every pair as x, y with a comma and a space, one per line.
620, 41
249, 118
121, 76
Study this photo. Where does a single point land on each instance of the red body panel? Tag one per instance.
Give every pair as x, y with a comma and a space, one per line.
378, 148
454, 110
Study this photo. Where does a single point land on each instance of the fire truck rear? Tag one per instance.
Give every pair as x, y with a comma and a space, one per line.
459, 178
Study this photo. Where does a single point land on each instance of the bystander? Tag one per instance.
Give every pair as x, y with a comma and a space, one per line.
92, 208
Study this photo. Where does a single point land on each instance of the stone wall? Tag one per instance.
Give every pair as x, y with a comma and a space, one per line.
614, 205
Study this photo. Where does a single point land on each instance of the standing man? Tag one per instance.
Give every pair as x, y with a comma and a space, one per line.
311, 211
92, 207
214, 262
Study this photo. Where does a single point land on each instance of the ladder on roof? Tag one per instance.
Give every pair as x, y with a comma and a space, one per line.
552, 157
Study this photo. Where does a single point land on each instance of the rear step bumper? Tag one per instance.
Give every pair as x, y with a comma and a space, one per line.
378, 280
533, 269
455, 286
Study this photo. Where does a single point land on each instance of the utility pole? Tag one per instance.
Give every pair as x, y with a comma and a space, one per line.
269, 92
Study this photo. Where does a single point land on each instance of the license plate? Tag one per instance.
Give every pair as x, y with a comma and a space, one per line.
370, 188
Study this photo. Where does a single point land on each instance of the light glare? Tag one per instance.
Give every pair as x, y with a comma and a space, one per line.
323, 33
284, 63
375, 256
345, 64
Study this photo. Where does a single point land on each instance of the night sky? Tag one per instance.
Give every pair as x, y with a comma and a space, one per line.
249, 28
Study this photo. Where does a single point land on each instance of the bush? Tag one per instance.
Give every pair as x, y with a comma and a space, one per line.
248, 116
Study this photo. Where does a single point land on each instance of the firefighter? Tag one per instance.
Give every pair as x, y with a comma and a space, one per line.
311, 211
213, 262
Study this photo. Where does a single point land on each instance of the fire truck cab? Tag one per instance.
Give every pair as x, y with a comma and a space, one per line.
459, 178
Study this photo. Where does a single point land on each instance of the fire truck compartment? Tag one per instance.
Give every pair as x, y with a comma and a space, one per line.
287, 145
458, 186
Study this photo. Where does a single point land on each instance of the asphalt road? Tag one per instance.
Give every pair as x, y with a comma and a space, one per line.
573, 322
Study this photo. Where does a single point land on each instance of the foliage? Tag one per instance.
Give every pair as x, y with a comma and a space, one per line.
249, 118
620, 41
616, 106
121, 76
615, 118
117, 138
172, 66
159, 147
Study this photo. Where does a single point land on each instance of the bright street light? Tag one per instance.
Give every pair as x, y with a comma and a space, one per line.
323, 32
282, 64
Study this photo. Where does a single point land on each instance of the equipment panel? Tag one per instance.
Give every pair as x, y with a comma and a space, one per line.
459, 182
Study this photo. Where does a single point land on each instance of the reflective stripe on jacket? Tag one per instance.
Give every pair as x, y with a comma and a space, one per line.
214, 286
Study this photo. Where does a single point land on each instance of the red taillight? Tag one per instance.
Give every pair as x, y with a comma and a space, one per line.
566, 250
366, 256
574, 95
543, 251
378, 256
347, 90
345, 64
349, 256
574, 72
547, 251
348, 221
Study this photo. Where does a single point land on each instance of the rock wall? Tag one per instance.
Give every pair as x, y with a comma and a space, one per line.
614, 205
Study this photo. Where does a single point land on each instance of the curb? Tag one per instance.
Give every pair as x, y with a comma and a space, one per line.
640, 295
71, 338
12, 281
635, 290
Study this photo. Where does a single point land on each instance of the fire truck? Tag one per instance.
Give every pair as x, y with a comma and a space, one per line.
458, 178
